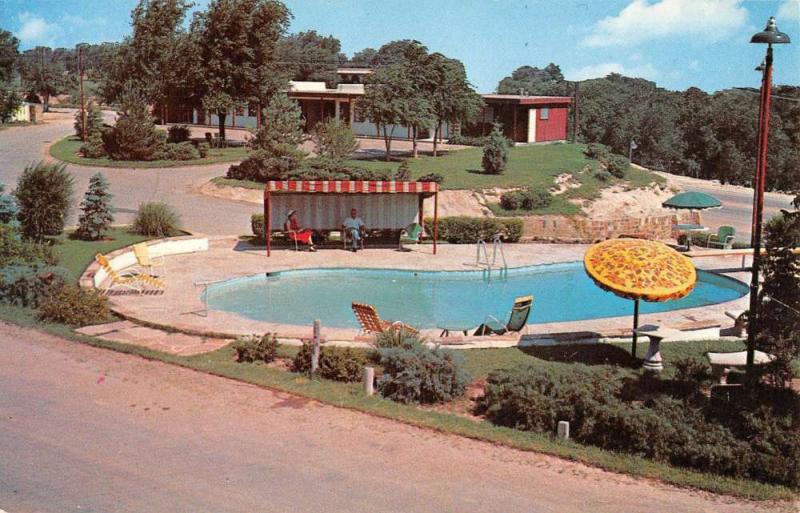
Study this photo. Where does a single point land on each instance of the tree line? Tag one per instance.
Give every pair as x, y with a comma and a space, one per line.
691, 132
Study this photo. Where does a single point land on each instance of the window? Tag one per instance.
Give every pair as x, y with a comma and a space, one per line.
544, 113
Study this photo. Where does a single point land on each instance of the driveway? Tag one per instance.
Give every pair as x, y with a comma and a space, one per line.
20, 146
90, 430
737, 203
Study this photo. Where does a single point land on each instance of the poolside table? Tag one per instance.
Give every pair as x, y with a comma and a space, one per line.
689, 229
464, 328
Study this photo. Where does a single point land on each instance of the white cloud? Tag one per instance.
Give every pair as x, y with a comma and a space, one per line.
643, 21
602, 69
694, 65
789, 10
35, 30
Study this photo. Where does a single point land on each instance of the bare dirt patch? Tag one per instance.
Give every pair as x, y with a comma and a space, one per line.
618, 201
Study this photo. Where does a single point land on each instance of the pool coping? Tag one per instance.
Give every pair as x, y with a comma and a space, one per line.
595, 329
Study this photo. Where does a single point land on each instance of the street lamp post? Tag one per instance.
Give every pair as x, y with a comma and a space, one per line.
769, 36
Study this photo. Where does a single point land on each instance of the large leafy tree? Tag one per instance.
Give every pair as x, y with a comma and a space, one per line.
44, 72
9, 50
452, 98
548, 81
159, 59
364, 58
309, 56
237, 42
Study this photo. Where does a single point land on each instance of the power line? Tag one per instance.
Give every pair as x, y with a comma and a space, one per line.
756, 93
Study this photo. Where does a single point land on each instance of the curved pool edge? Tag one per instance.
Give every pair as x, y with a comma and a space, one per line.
175, 310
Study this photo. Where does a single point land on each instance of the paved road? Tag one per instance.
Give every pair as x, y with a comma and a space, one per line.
20, 146
83, 429
737, 203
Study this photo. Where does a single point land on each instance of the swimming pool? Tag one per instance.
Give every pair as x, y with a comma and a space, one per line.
427, 299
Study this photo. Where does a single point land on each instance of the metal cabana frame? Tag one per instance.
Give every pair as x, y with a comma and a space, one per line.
349, 187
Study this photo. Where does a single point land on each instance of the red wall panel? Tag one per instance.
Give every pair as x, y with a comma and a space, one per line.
554, 128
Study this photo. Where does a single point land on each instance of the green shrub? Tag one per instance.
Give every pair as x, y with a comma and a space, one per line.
257, 225
396, 338
26, 285
178, 133
469, 140
96, 216
334, 140
403, 173
44, 194
157, 220
134, 136
262, 165
756, 436
512, 200
469, 230
536, 398
9, 210
536, 197
597, 151
253, 348
74, 306
617, 165
177, 151
203, 149
16, 251
335, 363
693, 371
422, 375
431, 177
94, 121
93, 147
495, 153
602, 175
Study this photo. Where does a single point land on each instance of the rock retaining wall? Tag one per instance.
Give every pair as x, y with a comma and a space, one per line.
582, 229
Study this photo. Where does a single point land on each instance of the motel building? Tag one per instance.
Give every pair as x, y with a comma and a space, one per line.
525, 119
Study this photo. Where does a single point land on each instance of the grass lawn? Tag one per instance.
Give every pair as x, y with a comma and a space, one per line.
75, 255
535, 165
67, 150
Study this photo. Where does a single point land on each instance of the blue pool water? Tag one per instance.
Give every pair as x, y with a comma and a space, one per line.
427, 299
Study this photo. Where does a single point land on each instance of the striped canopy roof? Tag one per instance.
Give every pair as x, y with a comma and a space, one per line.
353, 186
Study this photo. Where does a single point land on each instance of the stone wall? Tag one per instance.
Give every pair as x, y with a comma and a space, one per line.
582, 229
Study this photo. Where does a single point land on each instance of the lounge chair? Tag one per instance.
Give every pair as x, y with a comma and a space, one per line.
410, 234
371, 323
723, 238
128, 280
517, 319
147, 262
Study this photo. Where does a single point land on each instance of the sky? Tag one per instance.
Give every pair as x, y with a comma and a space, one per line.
676, 43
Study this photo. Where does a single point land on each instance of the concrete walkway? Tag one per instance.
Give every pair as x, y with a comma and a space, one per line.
180, 306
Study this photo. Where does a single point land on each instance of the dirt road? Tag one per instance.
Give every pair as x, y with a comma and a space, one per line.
83, 429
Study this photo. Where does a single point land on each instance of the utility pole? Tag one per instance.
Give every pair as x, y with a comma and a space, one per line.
83, 103
575, 115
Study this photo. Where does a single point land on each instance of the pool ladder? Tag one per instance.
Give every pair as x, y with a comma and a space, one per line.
497, 247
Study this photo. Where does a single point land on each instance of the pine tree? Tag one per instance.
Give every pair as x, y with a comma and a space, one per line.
96, 207
495, 155
8, 208
94, 121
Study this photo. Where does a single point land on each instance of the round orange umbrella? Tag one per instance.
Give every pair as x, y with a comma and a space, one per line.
640, 269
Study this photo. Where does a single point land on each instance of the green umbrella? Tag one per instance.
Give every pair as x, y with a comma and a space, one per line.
692, 201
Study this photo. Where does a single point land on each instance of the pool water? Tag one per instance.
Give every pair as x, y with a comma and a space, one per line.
427, 299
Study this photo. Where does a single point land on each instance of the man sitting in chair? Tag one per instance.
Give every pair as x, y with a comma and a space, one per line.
353, 227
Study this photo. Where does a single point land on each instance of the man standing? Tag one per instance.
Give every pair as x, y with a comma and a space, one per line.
353, 227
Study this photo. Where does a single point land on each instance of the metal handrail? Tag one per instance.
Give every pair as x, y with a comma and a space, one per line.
497, 243
482, 245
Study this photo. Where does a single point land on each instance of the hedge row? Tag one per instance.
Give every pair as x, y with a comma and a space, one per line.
668, 421
455, 230
469, 230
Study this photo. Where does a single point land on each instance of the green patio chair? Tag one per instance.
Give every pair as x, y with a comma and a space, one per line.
409, 234
723, 238
517, 319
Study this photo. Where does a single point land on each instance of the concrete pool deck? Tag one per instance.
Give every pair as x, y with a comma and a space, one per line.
180, 306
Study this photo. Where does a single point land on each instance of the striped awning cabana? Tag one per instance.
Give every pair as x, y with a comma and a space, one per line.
324, 204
